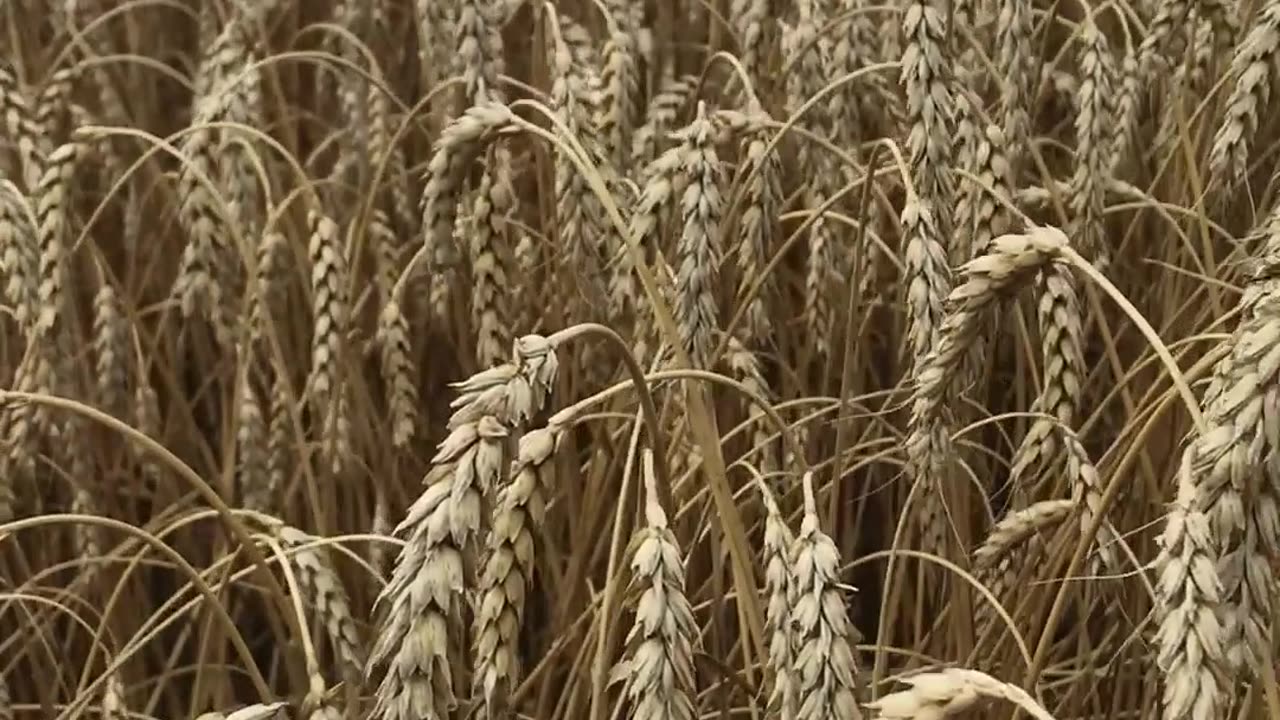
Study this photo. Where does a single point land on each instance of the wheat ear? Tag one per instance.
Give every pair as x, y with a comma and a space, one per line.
657, 669
824, 667
1252, 70
506, 574
949, 692
781, 588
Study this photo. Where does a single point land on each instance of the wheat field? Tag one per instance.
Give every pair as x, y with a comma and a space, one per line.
644, 359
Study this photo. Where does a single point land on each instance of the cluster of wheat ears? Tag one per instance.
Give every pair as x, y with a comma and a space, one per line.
652, 359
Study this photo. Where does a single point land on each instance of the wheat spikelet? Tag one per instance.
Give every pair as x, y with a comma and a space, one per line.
782, 593
489, 250
824, 665
1189, 639
325, 593
949, 692
657, 668
111, 351
21, 127
506, 573
698, 249
1252, 73
20, 255
1093, 122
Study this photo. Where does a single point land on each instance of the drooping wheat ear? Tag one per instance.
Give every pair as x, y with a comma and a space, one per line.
506, 573
1191, 643
1015, 528
1061, 343
111, 351
490, 256
657, 667
457, 147
949, 692
21, 127
251, 441
53, 106
20, 255
824, 667
1015, 36
926, 79
746, 369
1170, 16
758, 227
660, 117
1010, 262
780, 586
329, 315
280, 444
698, 250
1094, 120
398, 373
421, 607
478, 54
1253, 73
325, 594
